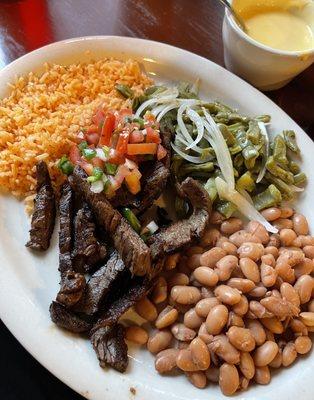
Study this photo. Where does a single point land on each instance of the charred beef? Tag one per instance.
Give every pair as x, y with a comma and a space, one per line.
113, 310
110, 347
182, 233
87, 251
72, 288
43, 219
67, 319
132, 249
103, 283
66, 206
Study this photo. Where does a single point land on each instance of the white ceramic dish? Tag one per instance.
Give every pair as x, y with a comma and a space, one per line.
28, 282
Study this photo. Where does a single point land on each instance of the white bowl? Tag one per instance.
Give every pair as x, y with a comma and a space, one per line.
262, 66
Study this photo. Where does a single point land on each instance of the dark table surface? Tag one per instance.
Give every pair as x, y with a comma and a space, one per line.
192, 25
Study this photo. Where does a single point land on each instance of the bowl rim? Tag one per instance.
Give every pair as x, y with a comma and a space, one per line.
246, 37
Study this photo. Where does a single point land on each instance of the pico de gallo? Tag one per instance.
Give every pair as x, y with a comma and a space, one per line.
112, 148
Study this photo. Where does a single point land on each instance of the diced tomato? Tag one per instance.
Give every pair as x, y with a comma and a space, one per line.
122, 143
133, 183
92, 129
136, 137
142, 148
121, 174
92, 138
115, 157
107, 129
125, 112
87, 167
74, 154
97, 162
98, 118
152, 136
161, 152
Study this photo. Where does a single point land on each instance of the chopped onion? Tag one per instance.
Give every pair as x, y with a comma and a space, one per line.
244, 206
192, 159
101, 154
166, 110
163, 97
296, 189
97, 187
152, 227
262, 171
155, 111
181, 124
194, 117
130, 164
222, 153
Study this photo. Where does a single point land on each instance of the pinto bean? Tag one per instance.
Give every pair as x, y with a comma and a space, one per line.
307, 318
262, 375
304, 286
216, 218
192, 320
254, 251
298, 327
306, 240
277, 306
305, 267
250, 269
247, 366
287, 236
244, 285
178, 279
300, 224
231, 225
271, 214
274, 240
206, 293
212, 374
204, 335
194, 261
257, 330
206, 276
200, 354
229, 248
258, 291
277, 361
257, 229
241, 308
159, 293
283, 223
203, 307
194, 250
146, 309
241, 338
182, 333
273, 324
227, 295
259, 310
228, 379
222, 347
185, 294
240, 237
310, 306
268, 275
197, 378
289, 354
166, 317
289, 293
216, 319
265, 353
271, 250
171, 261
303, 344
212, 256
166, 360
225, 266
136, 335
185, 361
235, 320
159, 341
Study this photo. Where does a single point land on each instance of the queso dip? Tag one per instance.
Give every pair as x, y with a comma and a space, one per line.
276, 23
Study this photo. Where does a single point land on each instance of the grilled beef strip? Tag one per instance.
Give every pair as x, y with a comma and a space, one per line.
110, 347
72, 288
113, 309
181, 233
132, 249
66, 319
43, 219
72, 283
87, 251
105, 282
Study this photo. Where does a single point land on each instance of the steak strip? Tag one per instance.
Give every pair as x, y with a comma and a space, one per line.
67, 319
115, 309
87, 251
110, 347
132, 249
180, 234
103, 283
43, 219
72, 284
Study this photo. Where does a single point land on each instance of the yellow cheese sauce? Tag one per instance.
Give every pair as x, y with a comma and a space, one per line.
276, 23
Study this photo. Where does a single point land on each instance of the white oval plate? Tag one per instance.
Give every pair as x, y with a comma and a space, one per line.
29, 282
